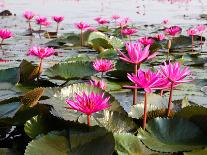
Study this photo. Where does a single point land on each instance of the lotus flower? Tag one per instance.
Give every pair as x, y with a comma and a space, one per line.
88, 104
192, 32
174, 30
82, 26
103, 21
175, 75
41, 53
115, 17
136, 53
148, 81
124, 22
102, 65
98, 83
3, 60
4, 34
146, 41
201, 29
160, 37
128, 31
29, 15
97, 19
165, 21
58, 20
40, 21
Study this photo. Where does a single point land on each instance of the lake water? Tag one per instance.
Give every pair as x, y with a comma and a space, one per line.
140, 11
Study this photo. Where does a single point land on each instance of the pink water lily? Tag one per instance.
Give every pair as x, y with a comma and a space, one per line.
201, 29
175, 76
192, 32
58, 20
165, 21
98, 83
115, 17
29, 16
88, 104
103, 21
148, 81
40, 21
97, 19
3, 60
136, 54
172, 31
4, 34
41, 53
146, 41
160, 37
103, 65
128, 31
82, 26
124, 22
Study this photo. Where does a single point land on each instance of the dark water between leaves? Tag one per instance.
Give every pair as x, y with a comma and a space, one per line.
185, 14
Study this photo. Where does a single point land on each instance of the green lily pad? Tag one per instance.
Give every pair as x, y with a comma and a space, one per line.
114, 118
108, 54
70, 70
80, 57
172, 135
48, 144
127, 144
197, 152
75, 141
196, 114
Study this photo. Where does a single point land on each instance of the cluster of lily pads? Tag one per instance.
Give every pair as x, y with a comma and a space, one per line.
73, 107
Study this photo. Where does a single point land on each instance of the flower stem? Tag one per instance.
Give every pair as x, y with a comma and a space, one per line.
30, 27
57, 28
88, 120
201, 41
135, 89
161, 92
40, 28
145, 111
102, 75
192, 43
81, 38
2, 40
39, 70
130, 40
170, 99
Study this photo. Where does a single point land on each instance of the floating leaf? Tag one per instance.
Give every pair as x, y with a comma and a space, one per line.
197, 152
75, 141
196, 114
32, 97
48, 144
70, 70
28, 72
114, 118
172, 135
127, 144
34, 126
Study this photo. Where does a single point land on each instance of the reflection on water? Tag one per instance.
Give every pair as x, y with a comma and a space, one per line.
142, 11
